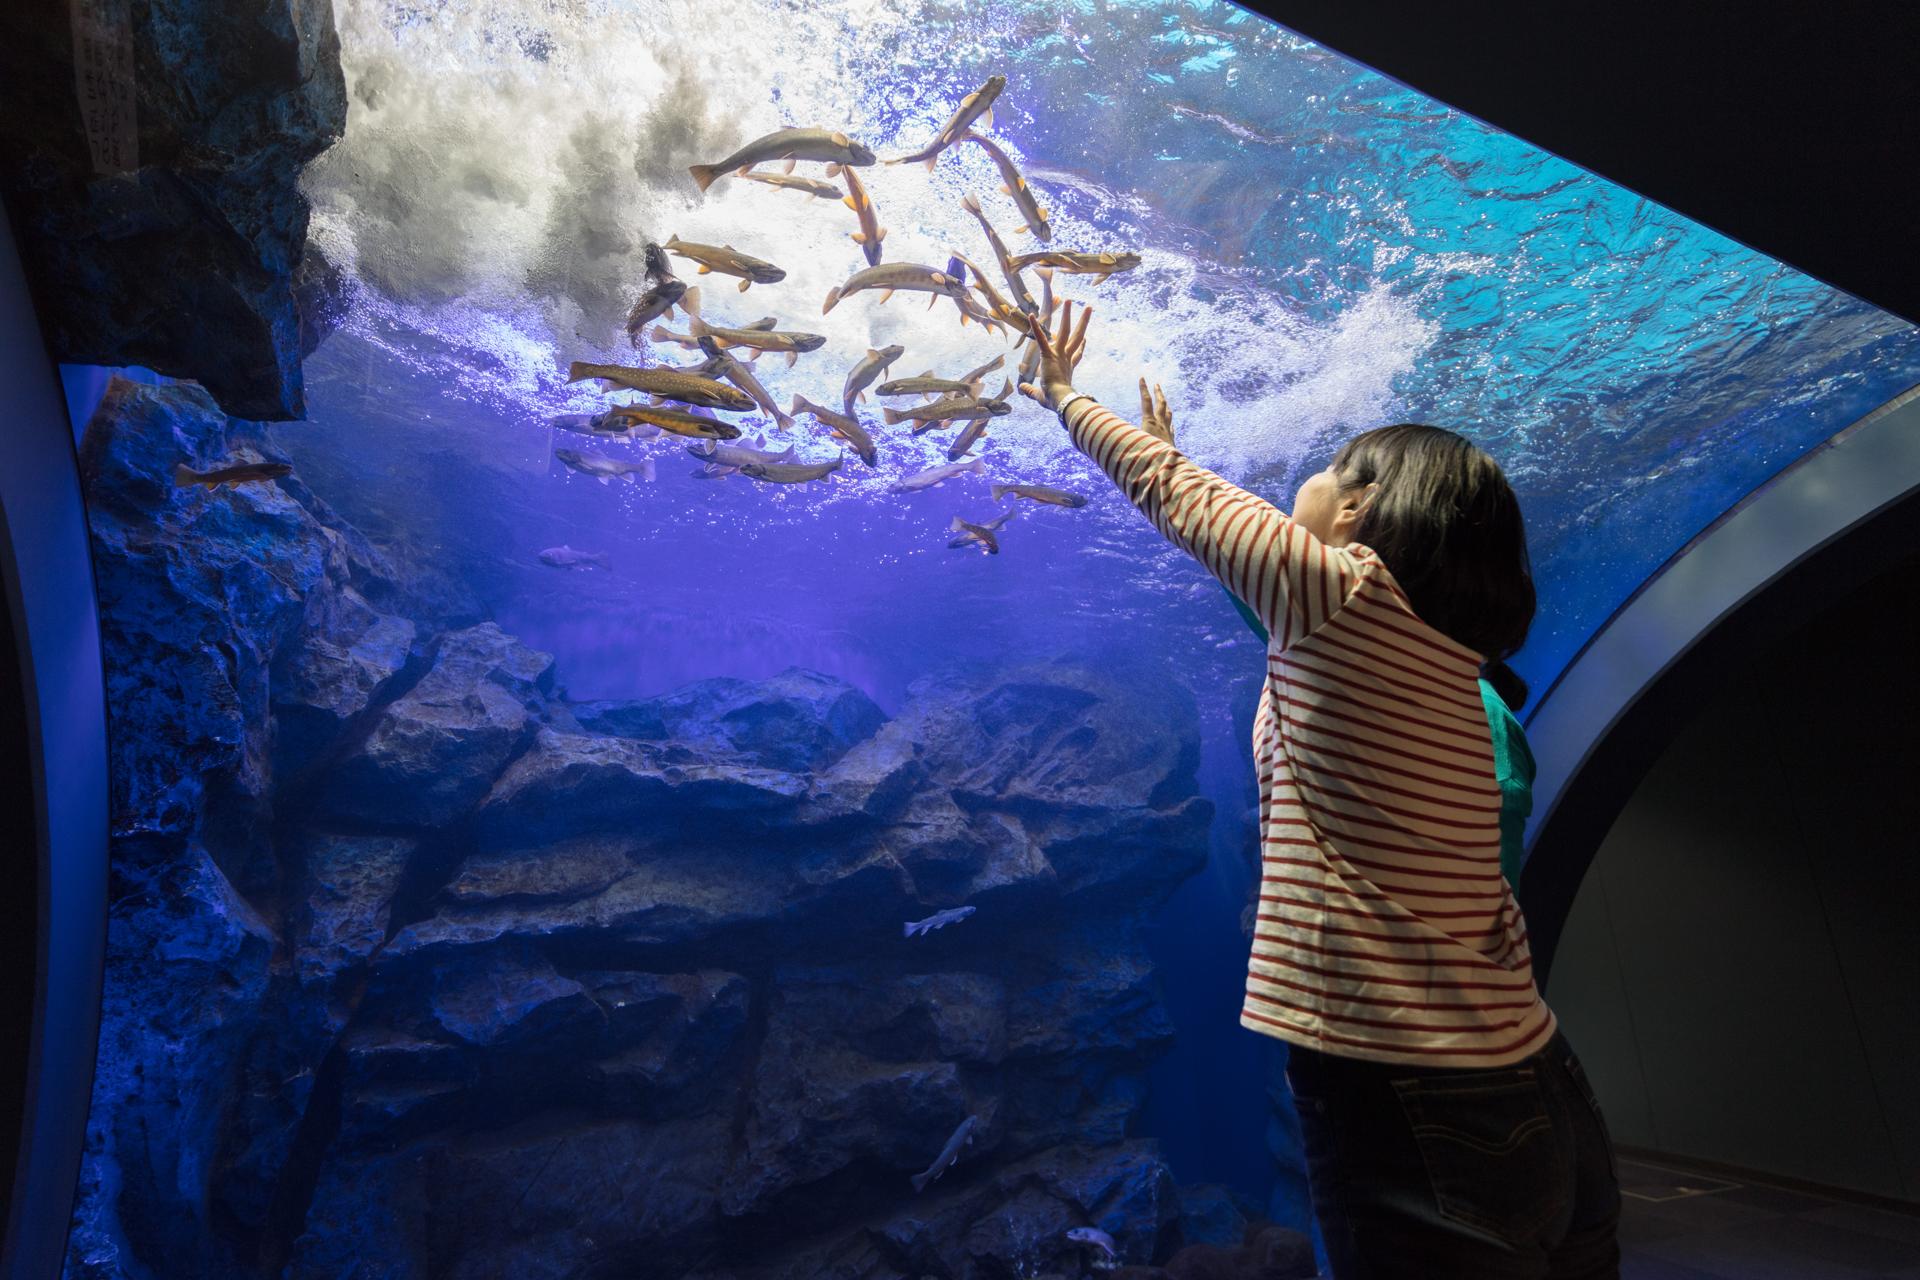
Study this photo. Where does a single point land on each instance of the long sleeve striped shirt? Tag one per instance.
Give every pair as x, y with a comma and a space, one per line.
1385, 930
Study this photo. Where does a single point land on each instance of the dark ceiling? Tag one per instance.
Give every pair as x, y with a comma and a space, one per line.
1793, 129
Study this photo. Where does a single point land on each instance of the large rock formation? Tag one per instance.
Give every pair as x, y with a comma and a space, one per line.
418, 967
155, 194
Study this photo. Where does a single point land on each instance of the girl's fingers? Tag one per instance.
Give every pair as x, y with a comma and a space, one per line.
1032, 392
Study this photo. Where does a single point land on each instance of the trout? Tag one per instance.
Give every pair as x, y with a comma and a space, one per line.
671, 384
791, 472
814, 187
951, 409
1015, 285
861, 376
984, 534
937, 475
722, 363
1039, 493
948, 1154
606, 424
871, 233
894, 276
241, 473
788, 145
728, 261
977, 105
663, 334
677, 421
844, 425
605, 469
1097, 265
725, 459
1016, 186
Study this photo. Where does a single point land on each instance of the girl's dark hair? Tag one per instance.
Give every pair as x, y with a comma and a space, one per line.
1447, 524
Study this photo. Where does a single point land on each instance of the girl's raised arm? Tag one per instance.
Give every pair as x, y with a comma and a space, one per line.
1292, 581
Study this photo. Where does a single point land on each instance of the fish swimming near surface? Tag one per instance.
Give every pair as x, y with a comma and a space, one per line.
605, 469
862, 375
990, 321
1095, 1239
1097, 265
657, 301
927, 384
977, 105
889, 277
997, 308
669, 384
938, 475
814, 187
1015, 285
240, 473
1039, 493
724, 365
969, 436
1016, 186
844, 425
605, 424
871, 233
788, 145
1030, 362
567, 558
951, 409
948, 1154
666, 418
725, 459
791, 472
985, 535
756, 340
728, 261
663, 334
938, 920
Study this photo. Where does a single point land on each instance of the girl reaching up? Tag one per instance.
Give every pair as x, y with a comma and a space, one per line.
1448, 1125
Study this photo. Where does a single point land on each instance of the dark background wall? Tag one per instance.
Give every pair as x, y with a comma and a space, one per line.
1741, 970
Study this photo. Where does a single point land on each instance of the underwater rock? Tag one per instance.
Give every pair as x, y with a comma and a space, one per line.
172, 241
798, 720
349, 658
550, 1196
574, 784
435, 750
198, 590
186, 992
994, 1223
342, 918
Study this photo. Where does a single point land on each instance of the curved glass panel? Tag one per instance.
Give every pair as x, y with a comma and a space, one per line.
455, 931
1322, 251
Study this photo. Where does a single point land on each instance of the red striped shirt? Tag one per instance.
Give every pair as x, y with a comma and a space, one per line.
1398, 938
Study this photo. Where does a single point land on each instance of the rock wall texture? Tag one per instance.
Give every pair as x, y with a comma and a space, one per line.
417, 969
179, 244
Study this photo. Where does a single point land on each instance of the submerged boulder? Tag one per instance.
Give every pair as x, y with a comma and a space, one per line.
798, 721
169, 231
198, 591
434, 751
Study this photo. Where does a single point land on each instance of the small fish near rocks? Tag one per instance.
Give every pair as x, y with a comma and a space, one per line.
938, 920
564, 557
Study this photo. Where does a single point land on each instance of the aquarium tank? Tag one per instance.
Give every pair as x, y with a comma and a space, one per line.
564, 831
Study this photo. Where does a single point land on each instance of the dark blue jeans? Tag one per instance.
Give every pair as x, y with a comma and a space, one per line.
1439, 1173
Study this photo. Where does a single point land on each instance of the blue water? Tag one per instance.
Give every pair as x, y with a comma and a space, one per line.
1324, 251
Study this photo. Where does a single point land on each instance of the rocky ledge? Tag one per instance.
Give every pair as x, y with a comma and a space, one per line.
417, 967
154, 193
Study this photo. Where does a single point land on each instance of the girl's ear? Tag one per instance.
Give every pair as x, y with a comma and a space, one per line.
1357, 503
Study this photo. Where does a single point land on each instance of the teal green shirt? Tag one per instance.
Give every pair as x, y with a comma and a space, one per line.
1512, 764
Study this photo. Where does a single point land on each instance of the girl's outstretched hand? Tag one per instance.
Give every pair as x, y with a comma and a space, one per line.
1059, 353
1155, 418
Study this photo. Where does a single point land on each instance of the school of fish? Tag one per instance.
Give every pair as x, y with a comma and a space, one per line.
687, 400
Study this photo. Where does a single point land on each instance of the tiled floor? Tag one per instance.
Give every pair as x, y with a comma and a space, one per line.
1679, 1225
